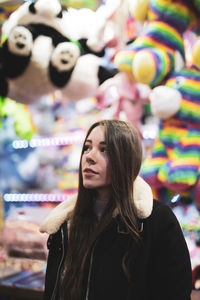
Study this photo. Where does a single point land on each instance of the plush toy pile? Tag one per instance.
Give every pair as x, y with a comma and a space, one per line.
158, 57
46, 48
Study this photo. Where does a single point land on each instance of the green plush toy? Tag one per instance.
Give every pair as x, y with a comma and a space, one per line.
23, 125
159, 50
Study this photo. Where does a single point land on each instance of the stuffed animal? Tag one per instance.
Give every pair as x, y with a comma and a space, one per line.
32, 33
159, 50
174, 163
96, 32
20, 115
47, 48
124, 99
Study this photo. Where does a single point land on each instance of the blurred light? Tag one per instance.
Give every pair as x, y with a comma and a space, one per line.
35, 197
175, 198
46, 142
19, 144
149, 134
86, 105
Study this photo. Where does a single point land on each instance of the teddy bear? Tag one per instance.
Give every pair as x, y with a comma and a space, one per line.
159, 49
173, 167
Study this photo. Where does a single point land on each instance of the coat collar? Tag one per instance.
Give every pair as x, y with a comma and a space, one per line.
143, 200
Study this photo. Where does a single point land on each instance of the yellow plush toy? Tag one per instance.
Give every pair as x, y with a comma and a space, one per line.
159, 50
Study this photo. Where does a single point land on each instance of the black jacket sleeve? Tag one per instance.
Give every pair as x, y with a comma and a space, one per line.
170, 264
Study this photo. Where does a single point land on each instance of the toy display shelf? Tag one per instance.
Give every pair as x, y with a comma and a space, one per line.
23, 285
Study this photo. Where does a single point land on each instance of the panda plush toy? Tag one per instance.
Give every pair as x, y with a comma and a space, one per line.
45, 48
31, 35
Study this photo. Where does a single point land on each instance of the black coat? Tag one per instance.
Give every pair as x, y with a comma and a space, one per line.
161, 270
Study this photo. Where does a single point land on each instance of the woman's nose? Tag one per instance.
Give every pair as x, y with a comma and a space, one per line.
91, 156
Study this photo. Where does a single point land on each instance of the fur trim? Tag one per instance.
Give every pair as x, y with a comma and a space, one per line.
143, 202
57, 216
143, 198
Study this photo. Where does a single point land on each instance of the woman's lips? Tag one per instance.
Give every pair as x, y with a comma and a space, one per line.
89, 171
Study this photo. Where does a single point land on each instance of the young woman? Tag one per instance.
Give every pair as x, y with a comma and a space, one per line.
111, 241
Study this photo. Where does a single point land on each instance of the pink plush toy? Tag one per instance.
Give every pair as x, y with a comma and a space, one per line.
126, 99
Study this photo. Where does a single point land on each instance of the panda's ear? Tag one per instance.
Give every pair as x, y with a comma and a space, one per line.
60, 15
3, 85
86, 48
32, 8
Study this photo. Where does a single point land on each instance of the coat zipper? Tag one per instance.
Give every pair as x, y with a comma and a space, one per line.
59, 267
90, 271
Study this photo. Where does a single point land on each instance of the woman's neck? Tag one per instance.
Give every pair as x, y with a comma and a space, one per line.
100, 204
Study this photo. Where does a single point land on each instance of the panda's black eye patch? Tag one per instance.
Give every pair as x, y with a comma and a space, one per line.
32, 8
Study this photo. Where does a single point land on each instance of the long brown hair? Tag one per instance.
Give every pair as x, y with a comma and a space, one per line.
125, 157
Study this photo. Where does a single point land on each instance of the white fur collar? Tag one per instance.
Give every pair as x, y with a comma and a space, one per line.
143, 202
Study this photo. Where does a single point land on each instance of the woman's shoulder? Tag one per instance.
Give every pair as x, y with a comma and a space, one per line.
162, 217
160, 208
58, 216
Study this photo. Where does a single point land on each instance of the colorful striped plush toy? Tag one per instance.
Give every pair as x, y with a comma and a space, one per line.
174, 164
159, 50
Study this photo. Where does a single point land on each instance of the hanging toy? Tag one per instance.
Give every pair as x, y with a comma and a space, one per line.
174, 163
47, 48
159, 50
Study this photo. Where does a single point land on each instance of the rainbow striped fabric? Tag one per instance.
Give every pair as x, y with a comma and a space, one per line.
161, 38
175, 159
180, 13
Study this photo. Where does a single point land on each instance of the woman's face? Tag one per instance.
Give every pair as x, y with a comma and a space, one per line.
94, 163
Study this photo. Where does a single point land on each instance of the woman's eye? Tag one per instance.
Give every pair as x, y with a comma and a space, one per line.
86, 148
104, 150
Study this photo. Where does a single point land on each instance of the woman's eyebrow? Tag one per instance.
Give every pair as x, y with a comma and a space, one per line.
101, 143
